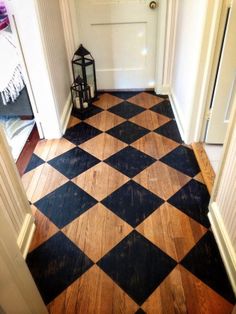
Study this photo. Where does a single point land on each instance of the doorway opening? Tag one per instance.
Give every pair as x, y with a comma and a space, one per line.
16, 114
222, 88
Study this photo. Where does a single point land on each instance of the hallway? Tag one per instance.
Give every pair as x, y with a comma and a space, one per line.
121, 214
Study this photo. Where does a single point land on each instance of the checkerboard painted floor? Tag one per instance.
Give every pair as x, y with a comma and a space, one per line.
121, 215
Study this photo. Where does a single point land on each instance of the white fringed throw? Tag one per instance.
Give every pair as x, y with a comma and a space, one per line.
11, 78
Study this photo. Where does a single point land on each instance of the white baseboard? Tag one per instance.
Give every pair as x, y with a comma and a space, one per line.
178, 115
162, 90
26, 234
225, 246
66, 114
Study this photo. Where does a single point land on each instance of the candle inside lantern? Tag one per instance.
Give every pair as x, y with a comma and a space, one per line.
77, 103
85, 104
91, 91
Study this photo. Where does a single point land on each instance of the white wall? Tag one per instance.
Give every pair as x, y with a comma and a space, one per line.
190, 27
57, 60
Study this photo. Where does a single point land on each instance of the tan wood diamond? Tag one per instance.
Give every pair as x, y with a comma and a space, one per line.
49, 149
155, 145
104, 120
97, 231
172, 231
100, 180
145, 100
42, 181
73, 121
103, 146
150, 120
162, 180
107, 101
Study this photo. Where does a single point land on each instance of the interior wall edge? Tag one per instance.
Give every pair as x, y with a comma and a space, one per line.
66, 114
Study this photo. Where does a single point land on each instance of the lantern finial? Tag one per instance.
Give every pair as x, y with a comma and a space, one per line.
81, 51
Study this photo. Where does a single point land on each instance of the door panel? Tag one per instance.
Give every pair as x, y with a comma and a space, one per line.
121, 35
225, 88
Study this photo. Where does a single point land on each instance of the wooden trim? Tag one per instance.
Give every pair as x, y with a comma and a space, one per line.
205, 165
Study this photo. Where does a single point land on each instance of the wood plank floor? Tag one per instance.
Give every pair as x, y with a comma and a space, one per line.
27, 151
121, 215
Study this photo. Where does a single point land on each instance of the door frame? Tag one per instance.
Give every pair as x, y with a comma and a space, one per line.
214, 71
68, 9
207, 64
211, 45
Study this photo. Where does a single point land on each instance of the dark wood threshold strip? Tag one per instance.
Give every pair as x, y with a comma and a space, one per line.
205, 165
27, 151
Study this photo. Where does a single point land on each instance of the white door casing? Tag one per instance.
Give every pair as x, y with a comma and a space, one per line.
18, 292
225, 85
123, 38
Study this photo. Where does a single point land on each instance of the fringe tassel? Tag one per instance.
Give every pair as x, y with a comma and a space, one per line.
15, 86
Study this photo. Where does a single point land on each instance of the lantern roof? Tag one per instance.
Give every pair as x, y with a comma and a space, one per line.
82, 52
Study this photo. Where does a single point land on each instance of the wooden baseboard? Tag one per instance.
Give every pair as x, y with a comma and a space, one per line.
205, 165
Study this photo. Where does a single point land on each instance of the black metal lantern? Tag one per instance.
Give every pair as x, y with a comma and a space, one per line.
80, 94
83, 65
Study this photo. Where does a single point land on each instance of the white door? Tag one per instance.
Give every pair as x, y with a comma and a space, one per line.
122, 37
225, 85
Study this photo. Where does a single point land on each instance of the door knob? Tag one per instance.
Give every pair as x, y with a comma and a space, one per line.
153, 5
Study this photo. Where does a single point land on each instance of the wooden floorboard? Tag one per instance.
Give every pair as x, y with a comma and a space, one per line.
205, 165
27, 151
123, 229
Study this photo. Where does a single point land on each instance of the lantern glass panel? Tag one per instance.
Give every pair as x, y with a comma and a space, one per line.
90, 79
77, 99
77, 69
